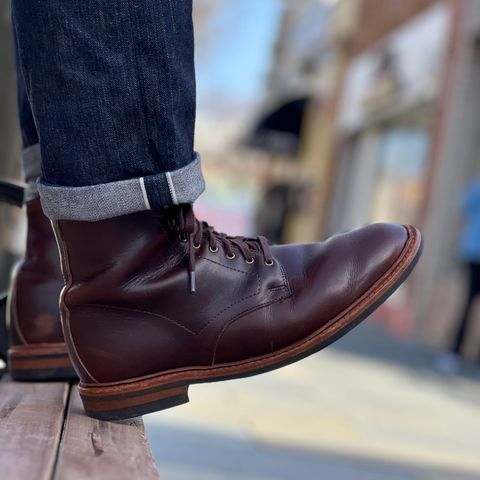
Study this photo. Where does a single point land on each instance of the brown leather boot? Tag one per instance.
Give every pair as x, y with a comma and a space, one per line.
37, 348
156, 301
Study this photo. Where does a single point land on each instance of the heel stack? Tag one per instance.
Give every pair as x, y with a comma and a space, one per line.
119, 402
41, 362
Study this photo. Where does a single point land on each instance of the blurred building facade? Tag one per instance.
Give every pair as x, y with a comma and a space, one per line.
386, 123
9, 141
389, 133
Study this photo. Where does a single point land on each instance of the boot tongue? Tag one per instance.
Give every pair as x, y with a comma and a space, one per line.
187, 223
182, 221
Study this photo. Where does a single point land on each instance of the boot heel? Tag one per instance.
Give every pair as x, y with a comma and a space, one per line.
41, 362
121, 402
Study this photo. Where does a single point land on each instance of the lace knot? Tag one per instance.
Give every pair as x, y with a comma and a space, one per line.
194, 232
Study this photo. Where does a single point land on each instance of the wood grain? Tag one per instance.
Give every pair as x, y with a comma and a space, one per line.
103, 450
31, 420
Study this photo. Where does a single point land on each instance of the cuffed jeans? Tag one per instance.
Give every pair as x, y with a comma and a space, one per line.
107, 101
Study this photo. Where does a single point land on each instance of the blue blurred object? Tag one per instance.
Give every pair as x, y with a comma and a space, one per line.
470, 240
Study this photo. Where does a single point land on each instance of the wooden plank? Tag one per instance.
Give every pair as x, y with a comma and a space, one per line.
31, 420
103, 450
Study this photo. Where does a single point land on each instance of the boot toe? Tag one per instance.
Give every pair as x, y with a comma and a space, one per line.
327, 278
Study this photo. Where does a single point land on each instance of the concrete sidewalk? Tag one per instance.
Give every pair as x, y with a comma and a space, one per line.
366, 408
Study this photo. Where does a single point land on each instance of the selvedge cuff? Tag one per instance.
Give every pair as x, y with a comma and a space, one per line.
108, 200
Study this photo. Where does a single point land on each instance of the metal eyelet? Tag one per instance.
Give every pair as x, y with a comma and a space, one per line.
182, 237
197, 245
213, 250
269, 263
231, 256
250, 261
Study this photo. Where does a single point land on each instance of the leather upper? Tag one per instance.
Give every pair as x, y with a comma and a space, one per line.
325, 278
36, 285
128, 310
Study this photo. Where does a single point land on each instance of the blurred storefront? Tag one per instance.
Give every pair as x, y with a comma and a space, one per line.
407, 143
294, 87
385, 121
454, 160
389, 133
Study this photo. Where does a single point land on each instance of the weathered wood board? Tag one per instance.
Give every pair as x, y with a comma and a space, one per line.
103, 450
45, 435
31, 421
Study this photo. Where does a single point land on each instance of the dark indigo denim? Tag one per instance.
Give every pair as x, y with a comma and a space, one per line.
27, 123
112, 88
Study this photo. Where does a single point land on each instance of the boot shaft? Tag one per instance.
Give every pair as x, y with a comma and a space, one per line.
91, 248
41, 253
36, 284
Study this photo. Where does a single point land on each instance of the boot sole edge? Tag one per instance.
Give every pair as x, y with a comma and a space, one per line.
40, 362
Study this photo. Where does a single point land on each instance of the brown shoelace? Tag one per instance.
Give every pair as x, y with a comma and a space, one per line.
182, 220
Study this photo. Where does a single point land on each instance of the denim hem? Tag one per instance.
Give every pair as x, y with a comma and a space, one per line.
107, 200
31, 161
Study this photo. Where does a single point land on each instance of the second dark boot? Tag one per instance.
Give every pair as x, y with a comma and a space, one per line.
37, 348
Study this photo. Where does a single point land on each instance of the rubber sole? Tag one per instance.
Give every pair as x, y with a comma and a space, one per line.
135, 397
40, 362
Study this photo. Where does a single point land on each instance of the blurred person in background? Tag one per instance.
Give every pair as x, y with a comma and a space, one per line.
469, 249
